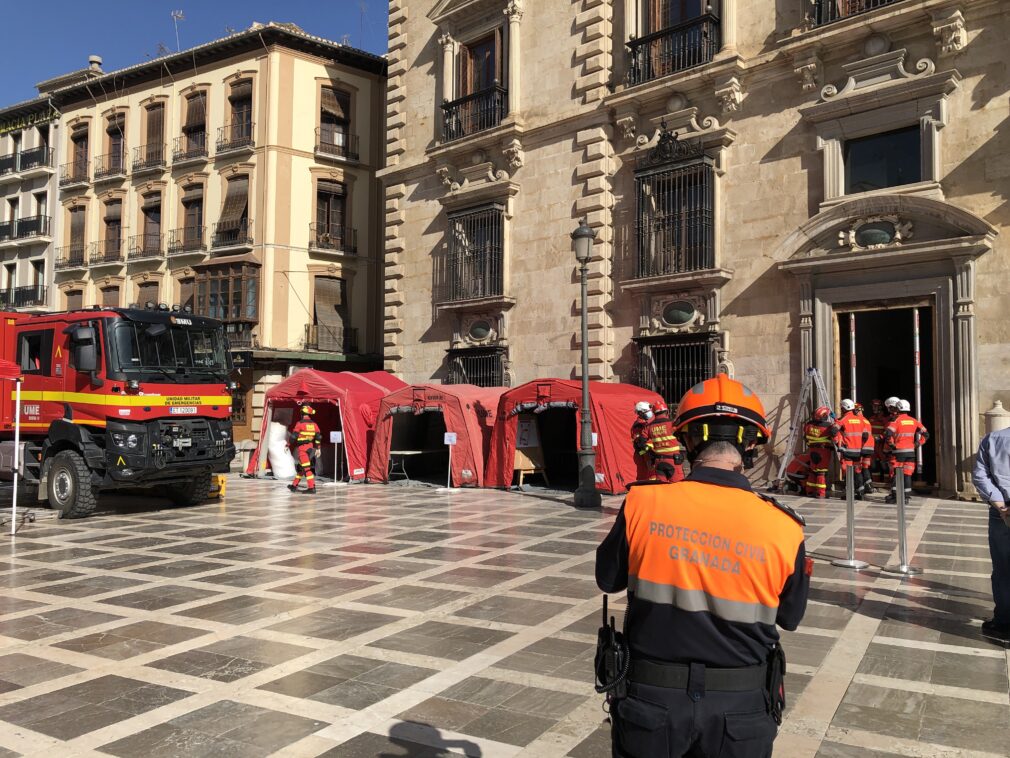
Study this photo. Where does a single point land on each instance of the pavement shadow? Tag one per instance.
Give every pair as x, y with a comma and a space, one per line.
421, 740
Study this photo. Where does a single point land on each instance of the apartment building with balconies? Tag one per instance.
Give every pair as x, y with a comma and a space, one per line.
774, 185
234, 180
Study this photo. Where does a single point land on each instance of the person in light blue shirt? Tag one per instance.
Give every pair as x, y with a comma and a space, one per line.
991, 477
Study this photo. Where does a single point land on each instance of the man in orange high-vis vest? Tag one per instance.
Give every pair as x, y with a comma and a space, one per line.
869, 448
711, 568
902, 438
850, 435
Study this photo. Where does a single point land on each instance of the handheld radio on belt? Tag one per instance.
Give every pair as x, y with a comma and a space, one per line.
613, 659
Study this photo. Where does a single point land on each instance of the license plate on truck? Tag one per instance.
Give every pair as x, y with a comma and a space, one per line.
182, 410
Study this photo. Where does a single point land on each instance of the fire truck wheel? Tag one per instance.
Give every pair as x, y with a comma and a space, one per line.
193, 492
70, 491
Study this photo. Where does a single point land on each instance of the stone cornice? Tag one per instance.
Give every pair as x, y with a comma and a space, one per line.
911, 254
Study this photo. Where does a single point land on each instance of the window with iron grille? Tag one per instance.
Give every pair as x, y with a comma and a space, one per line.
484, 367
476, 248
240, 406
675, 220
671, 366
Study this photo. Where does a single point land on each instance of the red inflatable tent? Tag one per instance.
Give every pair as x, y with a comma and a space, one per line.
412, 423
343, 400
612, 412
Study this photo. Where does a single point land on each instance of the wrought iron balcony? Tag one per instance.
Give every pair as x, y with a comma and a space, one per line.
235, 136
336, 143
146, 246
23, 297
332, 339
677, 48
9, 164
106, 251
829, 11
74, 173
190, 147
232, 234
111, 166
70, 256
149, 157
474, 113
36, 159
30, 227
188, 239
333, 237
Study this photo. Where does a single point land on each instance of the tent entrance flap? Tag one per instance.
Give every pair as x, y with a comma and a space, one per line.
417, 447
558, 430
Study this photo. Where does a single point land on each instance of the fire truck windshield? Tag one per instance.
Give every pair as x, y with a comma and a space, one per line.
168, 350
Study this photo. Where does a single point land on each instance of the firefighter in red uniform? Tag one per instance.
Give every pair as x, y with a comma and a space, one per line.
661, 446
796, 474
304, 439
643, 415
711, 567
902, 438
849, 436
819, 438
869, 448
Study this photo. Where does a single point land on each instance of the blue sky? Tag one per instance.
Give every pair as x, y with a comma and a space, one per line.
47, 39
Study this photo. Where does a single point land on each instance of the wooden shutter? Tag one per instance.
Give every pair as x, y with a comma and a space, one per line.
110, 297
187, 291
156, 124
241, 90
147, 292
498, 59
196, 112
336, 103
77, 226
330, 300
236, 200
465, 71
80, 140
75, 300
152, 214
113, 211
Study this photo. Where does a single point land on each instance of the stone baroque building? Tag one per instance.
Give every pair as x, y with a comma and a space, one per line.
237, 180
775, 184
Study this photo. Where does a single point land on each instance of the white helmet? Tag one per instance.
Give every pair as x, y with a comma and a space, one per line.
891, 402
904, 406
848, 405
642, 407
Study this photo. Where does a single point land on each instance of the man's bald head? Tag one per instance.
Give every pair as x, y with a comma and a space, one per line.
724, 455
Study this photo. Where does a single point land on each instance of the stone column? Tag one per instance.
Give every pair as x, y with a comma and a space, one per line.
727, 26
806, 323
631, 30
448, 77
965, 389
514, 14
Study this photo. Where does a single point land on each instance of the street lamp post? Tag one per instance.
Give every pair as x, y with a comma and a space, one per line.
586, 495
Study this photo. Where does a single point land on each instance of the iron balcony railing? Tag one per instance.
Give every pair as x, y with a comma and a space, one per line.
70, 256
32, 226
474, 113
232, 234
331, 141
333, 237
677, 48
188, 239
190, 147
36, 157
75, 172
111, 165
106, 251
829, 11
240, 335
332, 339
235, 136
147, 157
23, 297
146, 246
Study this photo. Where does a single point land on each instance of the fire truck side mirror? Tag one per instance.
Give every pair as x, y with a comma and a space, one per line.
85, 350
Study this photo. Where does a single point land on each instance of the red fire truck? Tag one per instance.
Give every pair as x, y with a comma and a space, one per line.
117, 398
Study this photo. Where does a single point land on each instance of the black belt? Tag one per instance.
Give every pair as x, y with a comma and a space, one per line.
676, 676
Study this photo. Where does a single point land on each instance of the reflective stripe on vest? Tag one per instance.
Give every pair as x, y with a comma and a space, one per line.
817, 434
850, 433
661, 439
903, 432
701, 547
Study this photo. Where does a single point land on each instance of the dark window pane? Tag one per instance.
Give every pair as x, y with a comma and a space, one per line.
883, 160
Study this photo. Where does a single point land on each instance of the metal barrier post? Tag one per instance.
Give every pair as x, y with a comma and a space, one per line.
850, 521
903, 566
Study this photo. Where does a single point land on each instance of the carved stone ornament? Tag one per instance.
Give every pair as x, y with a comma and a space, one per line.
627, 127
480, 329
948, 28
810, 72
723, 364
514, 10
877, 70
670, 148
513, 153
445, 40
444, 173
729, 93
690, 310
875, 232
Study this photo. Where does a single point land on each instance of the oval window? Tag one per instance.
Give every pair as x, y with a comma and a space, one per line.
479, 330
875, 233
678, 313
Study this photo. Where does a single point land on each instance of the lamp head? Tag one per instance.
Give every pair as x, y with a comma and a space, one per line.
582, 241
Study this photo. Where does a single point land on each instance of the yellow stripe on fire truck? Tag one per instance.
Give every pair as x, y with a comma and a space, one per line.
91, 398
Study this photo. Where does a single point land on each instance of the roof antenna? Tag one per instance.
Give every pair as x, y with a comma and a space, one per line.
176, 18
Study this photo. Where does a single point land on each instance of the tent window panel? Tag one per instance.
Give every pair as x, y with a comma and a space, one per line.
671, 367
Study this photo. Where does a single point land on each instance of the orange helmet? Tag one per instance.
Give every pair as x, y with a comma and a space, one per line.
721, 409
822, 414
307, 410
